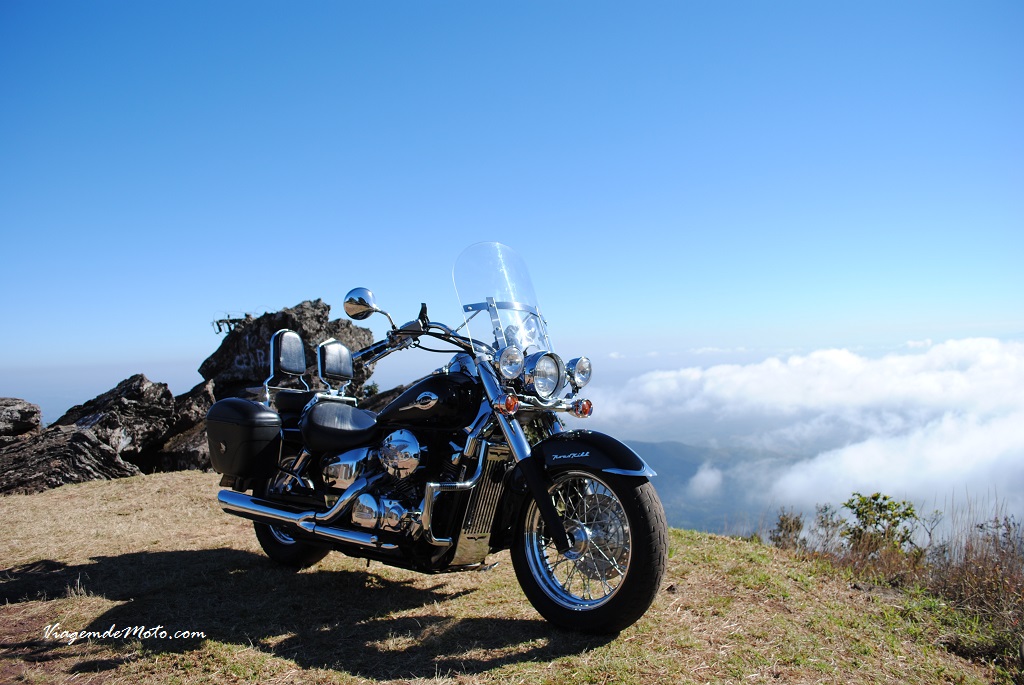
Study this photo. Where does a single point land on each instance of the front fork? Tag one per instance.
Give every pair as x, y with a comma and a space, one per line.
529, 464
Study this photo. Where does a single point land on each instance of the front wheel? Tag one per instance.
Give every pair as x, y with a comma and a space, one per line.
611, 574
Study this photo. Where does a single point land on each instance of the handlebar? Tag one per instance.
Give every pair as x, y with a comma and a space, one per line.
409, 335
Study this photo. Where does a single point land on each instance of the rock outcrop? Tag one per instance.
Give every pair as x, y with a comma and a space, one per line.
185, 446
242, 362
18, 420
133, 419
58, 456
140, 426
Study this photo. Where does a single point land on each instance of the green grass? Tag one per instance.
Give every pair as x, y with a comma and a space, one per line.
157, 550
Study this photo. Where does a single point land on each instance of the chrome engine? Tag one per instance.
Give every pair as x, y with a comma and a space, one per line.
394, 504
341, 472
383, 514
400, 453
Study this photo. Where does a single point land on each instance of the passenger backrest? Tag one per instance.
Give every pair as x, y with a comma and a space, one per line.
287, 361
334, 365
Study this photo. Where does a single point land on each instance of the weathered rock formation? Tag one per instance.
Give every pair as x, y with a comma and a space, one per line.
132, 419
18, 420
242, 362
185, 445
140, 426
58, 456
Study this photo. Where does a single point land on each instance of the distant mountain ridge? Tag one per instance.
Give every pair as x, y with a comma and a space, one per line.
703, 488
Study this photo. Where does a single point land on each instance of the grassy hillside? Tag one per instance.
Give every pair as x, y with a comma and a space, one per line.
156, 551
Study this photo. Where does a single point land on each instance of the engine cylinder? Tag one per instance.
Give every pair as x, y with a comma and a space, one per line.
385, 514
342, 470
400, 453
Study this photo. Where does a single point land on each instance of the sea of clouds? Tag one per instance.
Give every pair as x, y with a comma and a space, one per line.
936, 424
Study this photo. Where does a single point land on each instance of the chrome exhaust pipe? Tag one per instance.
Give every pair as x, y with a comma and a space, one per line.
240, 504
311, 522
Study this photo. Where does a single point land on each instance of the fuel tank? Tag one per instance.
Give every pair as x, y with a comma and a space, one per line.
441, 402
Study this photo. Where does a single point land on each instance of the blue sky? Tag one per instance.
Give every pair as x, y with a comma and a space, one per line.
692, 183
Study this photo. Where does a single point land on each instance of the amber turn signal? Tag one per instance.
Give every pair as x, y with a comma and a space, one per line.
582, 409
507, 405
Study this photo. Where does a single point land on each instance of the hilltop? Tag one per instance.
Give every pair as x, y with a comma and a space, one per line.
156, 550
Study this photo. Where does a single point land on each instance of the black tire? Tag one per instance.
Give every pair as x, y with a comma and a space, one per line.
282, 547
614, 571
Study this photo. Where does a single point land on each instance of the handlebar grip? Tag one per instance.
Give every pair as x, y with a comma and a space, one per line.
371, 351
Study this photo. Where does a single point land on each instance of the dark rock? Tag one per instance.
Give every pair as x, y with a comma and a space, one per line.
190, 408
187, 451
58, 456
139, 426
133, 419
242, 362
18, 420
186, 447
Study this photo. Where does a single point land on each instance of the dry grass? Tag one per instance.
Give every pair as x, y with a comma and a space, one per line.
157, 550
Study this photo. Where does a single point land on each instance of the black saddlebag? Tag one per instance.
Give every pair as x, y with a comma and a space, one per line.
244, 438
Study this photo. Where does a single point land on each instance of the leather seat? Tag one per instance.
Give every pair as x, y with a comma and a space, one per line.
336, 426
289, 401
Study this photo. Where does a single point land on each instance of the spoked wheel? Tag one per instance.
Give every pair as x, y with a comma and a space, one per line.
612, 572
280, 546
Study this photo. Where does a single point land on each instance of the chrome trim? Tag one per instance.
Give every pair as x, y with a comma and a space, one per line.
351, 537
425, 400
571, 368
399, 453
247, 506
474, 541
475, 446
514, 306
291, 475
513, 432
529, 375
645, 472
360, 304
342, 470
312, 522
432, 490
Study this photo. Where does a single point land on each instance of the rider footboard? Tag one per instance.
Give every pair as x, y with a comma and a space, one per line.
474, 538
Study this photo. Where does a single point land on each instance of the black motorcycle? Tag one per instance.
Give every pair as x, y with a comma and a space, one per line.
466, 462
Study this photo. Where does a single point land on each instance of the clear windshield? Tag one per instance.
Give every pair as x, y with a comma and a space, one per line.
497, 298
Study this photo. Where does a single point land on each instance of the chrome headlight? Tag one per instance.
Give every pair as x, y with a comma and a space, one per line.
511, 362
544, 374
579, 371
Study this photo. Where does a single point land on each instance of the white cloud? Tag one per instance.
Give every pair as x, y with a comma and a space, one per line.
933, 420
718, 350
705, 483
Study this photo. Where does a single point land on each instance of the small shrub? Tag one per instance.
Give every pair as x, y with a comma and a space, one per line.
879, 523
826, 533
977, 568
787, 531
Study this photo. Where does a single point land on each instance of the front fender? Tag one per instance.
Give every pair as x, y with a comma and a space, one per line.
579, 448
593, 450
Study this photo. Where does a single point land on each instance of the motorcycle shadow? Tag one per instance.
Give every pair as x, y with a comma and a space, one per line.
364, 623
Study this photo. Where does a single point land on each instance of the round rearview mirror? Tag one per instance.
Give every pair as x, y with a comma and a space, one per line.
360, 304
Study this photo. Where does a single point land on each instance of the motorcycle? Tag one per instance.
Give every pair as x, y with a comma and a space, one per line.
466, 462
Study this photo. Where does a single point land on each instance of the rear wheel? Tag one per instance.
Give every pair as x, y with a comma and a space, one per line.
611, 574
280, 546
285, 549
